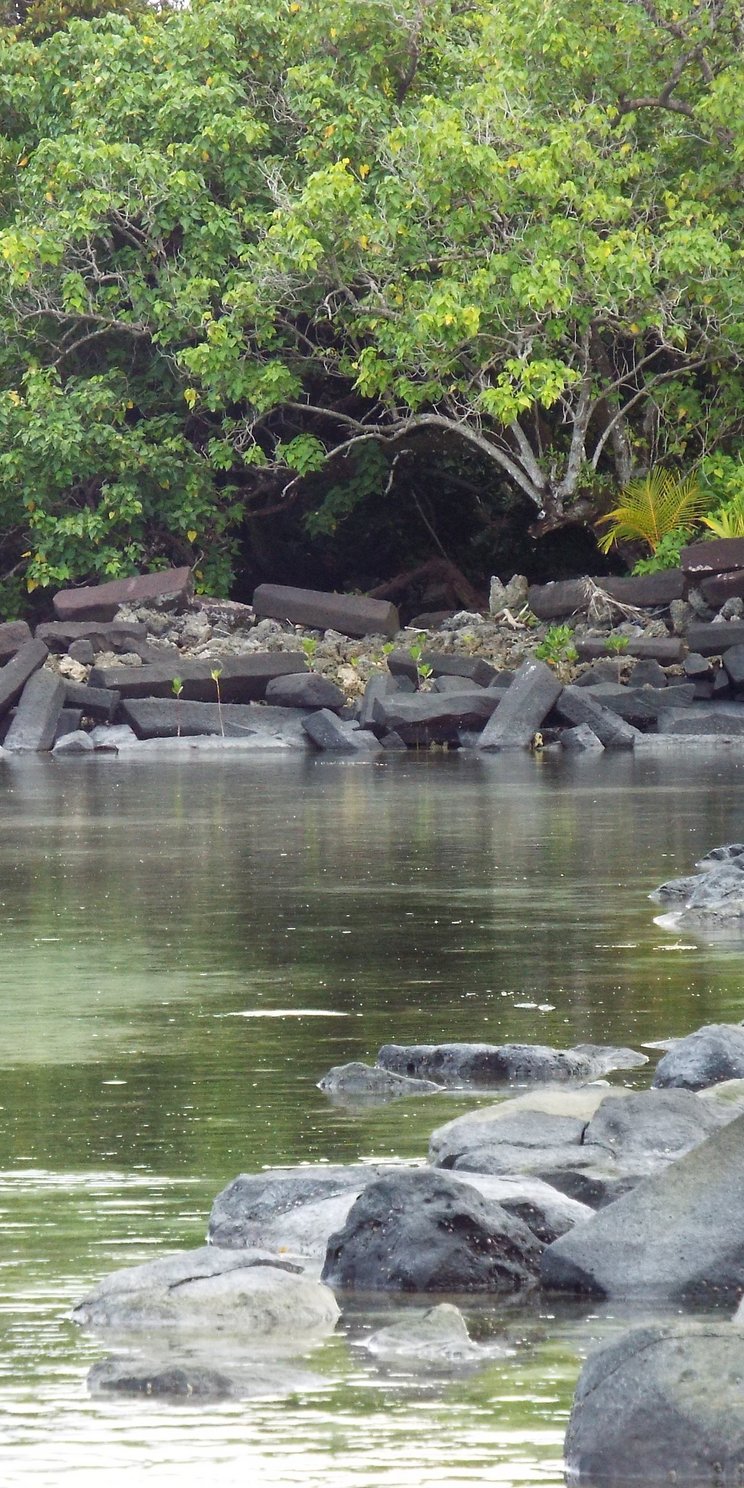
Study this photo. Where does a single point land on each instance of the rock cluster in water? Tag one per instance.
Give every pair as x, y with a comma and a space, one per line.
139, 665
564, 1187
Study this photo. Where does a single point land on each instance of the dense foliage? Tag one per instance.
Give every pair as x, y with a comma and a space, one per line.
263, 257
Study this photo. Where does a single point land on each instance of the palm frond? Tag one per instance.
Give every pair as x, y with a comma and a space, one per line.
652, 507
728, 521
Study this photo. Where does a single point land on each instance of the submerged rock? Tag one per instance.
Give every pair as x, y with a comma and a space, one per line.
660, 1405
426, 1232
706, 1057
191, 1381
198, 1291
502, 1064
437, 1336
367, 1082
712, 897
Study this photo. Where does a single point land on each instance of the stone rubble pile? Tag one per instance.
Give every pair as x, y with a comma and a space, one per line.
634, 662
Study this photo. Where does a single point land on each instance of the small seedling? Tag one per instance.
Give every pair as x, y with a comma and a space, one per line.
557, 646
177, 689
309, 645
215, 674
617, 645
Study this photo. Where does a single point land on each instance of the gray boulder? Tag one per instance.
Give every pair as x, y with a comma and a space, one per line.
487, 1124
660, 1405
75, 743
423, 1231
357, 1082
541, 1207
729, 852
678, 1236
210, 1290
291, 1208
706, 1057
652, 1125
487, 1065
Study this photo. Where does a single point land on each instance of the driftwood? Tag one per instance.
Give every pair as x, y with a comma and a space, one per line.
457, 589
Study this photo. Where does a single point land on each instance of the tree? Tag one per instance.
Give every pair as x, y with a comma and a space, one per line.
245, 242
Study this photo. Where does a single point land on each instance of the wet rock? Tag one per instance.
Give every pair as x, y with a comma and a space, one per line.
171, 588
523, 708
502, 1064
242, 1291
724, 1101
426, 1232
657, 1125
676, 890
677, 1237
366, 1082
706, 1057
437, 1336
660, 1405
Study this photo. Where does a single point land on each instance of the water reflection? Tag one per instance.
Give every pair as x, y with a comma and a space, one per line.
187, 949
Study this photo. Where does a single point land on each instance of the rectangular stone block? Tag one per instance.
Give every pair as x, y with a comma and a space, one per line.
174, 587
576, 705
733, 663
332, 734
719, 556
34, 726
59, 635
723, 719
667, 650
351, 614
434, 717
720, 587
641, 706
167, 718
715, 639
569, 596
473, 668
243, 679
13, 635
69, 721
523, 708
15, 674
95, 702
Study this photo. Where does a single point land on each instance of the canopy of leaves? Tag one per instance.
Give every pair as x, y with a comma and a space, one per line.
244, 241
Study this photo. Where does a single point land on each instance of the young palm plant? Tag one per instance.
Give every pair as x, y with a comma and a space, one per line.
652, 507
728, 521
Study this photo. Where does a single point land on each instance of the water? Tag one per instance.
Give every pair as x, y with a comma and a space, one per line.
187, 948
